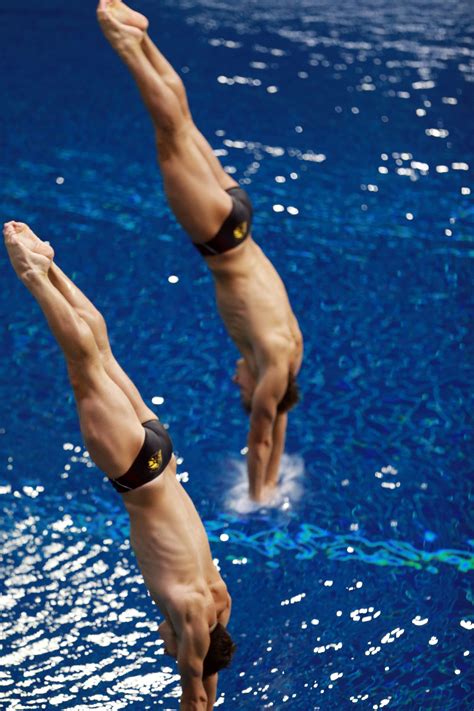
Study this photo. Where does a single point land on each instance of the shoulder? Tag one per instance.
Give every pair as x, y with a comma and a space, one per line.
220, 594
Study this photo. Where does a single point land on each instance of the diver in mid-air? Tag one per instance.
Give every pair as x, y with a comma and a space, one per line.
128, 442
217, 215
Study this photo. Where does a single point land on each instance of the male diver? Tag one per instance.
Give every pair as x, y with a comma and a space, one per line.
217, 214
128, 442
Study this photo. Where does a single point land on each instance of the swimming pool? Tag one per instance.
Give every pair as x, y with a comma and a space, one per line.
348, 123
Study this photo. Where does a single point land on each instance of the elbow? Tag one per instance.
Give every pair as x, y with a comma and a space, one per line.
199, 704
194, 696
258, 457
260, 449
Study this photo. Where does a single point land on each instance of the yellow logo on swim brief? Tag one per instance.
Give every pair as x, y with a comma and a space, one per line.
155, 460
240, 231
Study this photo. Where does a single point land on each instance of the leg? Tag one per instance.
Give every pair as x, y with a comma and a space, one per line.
96, 322
175, 83
194, 194
112, 431
167, 72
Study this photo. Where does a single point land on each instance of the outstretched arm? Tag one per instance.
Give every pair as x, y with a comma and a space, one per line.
279, 434
210, 682
193, 640
267, 395
210, 687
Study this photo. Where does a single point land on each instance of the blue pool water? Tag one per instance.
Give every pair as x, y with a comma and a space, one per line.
349, 124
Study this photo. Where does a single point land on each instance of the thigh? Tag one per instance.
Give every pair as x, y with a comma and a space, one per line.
224, 179
109, 424
199, 203
118, 375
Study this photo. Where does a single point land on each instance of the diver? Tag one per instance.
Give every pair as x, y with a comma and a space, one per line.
217, 215
127, 441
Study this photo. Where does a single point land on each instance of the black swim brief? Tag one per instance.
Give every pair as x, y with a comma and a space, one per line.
151, 460
234, 230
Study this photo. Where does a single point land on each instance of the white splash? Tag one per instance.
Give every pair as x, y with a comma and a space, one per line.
287, 493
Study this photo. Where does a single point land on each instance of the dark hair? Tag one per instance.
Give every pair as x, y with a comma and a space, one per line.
220, 652
291, 396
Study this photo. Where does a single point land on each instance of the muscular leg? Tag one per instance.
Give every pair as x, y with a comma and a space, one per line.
195, 196
166, 72
111, 429
175, 83
96, 322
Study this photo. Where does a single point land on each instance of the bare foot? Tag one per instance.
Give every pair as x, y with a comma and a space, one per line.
30, 240
28, 254
125, 14
122, 26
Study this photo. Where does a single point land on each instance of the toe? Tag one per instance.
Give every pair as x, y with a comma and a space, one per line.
9, 232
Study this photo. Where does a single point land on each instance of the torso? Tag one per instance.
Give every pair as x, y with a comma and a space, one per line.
254, 306
171, 545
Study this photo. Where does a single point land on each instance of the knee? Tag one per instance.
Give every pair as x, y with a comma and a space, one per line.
171, 138
166, 141
77, 375
83, 368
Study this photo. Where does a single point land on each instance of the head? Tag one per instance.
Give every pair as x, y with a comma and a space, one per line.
246, 381
291, 396
220, 652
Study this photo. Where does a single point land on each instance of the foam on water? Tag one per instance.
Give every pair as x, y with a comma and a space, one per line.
288, 492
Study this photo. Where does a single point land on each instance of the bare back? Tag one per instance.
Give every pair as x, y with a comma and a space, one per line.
253, 303
171, 545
